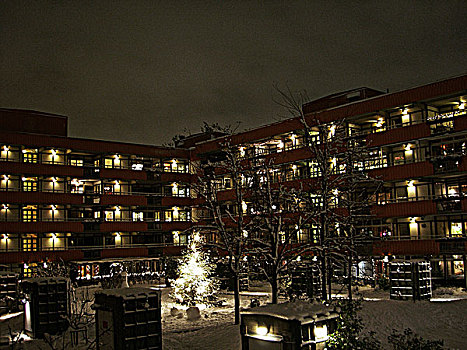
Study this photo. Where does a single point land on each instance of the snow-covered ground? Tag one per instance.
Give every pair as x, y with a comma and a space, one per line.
443, 318
432, 320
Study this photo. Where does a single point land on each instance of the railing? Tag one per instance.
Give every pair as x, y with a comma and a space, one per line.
384, 201
96, 247
96, 193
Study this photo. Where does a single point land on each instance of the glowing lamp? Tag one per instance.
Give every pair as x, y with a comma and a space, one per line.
262, 330
242, 151
321, 333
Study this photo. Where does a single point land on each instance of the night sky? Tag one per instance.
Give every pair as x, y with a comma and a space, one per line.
142, 71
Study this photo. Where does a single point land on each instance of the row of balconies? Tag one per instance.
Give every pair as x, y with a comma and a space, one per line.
434, 247
378, 135
83, 226
55, 156
14, 167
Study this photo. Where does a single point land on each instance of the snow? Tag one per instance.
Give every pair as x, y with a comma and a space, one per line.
215, 328
446, 321
299, 310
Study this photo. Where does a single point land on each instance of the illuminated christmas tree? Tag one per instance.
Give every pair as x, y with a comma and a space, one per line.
194, 285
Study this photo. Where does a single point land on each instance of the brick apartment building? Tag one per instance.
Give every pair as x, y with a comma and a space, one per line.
89, 200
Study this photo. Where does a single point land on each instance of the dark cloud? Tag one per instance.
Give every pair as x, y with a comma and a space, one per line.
142, 71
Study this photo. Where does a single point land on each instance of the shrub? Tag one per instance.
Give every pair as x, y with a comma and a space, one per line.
411, 341
348, 335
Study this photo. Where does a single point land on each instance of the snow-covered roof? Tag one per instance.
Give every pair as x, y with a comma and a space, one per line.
129, 292
300, 310
43, 280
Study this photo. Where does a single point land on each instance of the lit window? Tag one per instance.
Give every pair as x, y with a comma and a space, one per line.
29, 156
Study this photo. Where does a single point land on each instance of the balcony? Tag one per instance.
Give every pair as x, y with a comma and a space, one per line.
41, 227
405, 209
412, 247
176, 225
43, 169
176, 177
122, 174
402, 134
170, 201
116, 199
123, 226
40, 197
405, 171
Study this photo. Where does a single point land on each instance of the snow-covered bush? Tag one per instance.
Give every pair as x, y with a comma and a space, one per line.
411, 341
349, 334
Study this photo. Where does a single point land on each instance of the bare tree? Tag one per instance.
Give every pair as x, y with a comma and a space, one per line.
340, 189
279, 222
224, 207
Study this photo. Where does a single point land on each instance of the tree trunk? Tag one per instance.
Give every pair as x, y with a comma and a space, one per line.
236, 297
349, 273
324, 294
274, 289
330, 278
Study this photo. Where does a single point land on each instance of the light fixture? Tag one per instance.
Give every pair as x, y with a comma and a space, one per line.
54, 179
321, 333
54, 236
117, 210
407, 147
462, 105
54, 152
242, 151
262, 330
280, 145
6, 148
380, 121
244, 206
6, 177
410, 184
24, 178
5, 206
294, 167
5, 236
117, 156
53, 207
